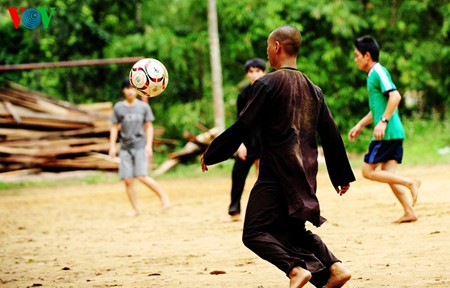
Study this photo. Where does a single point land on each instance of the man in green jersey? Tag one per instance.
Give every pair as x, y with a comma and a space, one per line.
386, 148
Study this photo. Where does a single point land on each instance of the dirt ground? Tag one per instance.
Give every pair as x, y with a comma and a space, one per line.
80, 236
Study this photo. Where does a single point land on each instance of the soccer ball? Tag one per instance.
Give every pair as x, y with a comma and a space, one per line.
149, 77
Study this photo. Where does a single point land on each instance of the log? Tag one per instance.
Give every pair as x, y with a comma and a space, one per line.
54, 151
72, 63
20, 172
166, 166
196, 145
53, 142
10, 108
83, 162
41, 132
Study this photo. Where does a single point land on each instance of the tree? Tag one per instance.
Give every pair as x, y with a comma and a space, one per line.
176, 33
216, 65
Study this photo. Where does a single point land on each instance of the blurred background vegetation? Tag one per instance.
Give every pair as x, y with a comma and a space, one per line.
413, 35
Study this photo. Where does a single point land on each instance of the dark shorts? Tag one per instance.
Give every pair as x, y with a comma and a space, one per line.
385, 150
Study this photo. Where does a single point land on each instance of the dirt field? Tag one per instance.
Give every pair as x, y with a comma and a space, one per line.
80, 236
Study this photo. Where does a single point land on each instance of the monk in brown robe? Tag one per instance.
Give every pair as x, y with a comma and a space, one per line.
291, 112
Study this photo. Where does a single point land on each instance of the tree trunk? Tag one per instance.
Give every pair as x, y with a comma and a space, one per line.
216, 66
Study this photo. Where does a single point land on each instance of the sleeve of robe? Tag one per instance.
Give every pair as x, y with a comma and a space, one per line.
338, 166
224, 146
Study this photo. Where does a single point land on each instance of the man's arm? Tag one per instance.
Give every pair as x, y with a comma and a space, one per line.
149, 131
356, 130
338, 165
114, 131
393, 102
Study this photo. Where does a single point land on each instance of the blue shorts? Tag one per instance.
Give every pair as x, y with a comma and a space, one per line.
133, 162
384, 150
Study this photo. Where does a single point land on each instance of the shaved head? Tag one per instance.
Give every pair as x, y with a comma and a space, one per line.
289, 37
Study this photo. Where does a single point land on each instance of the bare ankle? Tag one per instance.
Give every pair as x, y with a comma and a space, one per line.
299, 277
339, 275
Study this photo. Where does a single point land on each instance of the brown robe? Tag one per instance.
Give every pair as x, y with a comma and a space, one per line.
291, 112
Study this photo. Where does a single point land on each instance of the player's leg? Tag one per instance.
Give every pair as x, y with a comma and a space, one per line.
401, 193
132, 196
264, 229
153, 185
141, 172
384, 152
266, 233
339, 275
334, 272
126, 173
299, 277
391, 178
239, 174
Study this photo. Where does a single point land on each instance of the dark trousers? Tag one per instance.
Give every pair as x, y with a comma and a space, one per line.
239, 174
282, 240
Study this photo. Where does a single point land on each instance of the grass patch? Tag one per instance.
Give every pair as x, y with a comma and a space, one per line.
88, 178
427, 143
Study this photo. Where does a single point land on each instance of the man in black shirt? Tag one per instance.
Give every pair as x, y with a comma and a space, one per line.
290, 111
250, 150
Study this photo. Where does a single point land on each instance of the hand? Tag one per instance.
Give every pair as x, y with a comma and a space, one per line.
342, 189
354, 132
112, 151
148, 151
379, 130
242, 152
204, 167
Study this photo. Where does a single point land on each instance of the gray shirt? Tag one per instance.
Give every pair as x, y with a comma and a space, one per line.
132, 119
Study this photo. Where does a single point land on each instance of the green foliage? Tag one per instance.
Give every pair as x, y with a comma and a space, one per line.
427, 142
417, 53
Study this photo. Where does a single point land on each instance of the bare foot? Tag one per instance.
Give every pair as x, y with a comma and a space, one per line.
415, 190
133, 213
406, 219
165, 202
299, 277
235, 217
339, 275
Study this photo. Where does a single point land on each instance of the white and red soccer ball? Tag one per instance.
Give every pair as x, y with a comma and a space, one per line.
149, 77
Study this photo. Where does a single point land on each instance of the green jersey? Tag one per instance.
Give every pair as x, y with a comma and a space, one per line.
379, 84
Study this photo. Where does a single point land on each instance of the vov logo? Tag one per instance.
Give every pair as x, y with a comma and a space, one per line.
31, 18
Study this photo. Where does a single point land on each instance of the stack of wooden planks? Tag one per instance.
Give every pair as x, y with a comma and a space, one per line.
38, 132
196, 145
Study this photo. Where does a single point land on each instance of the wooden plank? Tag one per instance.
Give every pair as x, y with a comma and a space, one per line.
95, 155
10, 108
99, 107
54, 151
54, 142
35, 122
49, 114
23, 159
188, 149
35, 103
166, 166
27, 95
15, 166
103, 128
70, 63
14, 134
20, 172
85, 162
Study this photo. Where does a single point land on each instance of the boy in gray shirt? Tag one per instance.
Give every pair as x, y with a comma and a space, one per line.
133, 118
